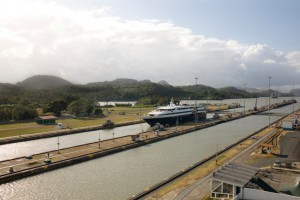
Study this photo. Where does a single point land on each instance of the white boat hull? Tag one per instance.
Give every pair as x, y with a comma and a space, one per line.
172, 119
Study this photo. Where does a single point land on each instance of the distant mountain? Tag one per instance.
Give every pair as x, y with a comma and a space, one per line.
7, 88
9, 93
196, 88
254, 90
122, 89
124, 81
234, 92
145, 81
116, 82
43, 82
297, 92
163, 82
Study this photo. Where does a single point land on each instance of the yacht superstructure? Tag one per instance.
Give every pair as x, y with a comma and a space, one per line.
175, 114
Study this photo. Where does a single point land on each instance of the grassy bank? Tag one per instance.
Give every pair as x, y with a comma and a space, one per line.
116, 114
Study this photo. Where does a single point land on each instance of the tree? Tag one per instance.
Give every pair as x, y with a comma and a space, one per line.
5, 113
56, 107
97, 111
82, 106
21, 112
76, 107
89, 108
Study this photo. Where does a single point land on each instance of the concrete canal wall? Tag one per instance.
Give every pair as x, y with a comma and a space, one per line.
77, 159
36, 136
155, 187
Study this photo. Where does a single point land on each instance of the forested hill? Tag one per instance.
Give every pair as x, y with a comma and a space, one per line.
43, 82
44, 89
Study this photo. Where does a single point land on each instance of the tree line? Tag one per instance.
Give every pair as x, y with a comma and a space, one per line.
24, 110
17, 103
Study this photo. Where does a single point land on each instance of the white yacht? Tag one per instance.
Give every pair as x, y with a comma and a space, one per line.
173, 114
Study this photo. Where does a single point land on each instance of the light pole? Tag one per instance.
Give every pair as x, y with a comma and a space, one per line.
142, 128
113, 135
196, 101
176, 122
99, 140
58, 145
244, 98
217, 152
293, 100
269, 77
140, 114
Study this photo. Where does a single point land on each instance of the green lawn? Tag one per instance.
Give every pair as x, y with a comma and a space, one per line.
23, 131
131, 114
17, 125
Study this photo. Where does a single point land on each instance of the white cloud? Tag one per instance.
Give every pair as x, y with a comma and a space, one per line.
293, 59
243, 66
269, 61
83, 46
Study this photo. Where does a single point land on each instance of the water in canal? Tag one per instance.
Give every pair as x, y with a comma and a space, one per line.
19, 149
121, 175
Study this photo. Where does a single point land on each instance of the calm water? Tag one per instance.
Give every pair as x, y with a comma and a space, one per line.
121, 175
19, 149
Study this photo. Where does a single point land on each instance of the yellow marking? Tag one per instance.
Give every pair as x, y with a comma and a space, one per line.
45, 167
91, 155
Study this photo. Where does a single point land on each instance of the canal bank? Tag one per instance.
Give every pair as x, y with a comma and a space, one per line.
172, 186
21, 167
73, 126
123, 174
35, 136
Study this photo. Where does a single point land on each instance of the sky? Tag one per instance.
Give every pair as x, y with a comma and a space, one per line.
221, 42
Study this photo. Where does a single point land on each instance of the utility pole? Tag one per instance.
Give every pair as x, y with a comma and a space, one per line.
244, 98
293, 94
269, 77
217, 152
99, 140
176, 123
58, 145
196, 102
140, 114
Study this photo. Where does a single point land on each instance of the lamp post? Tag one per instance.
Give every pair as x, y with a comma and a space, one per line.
142, 128
140, 114
176, 123
217, 152
244, 98
99, 140
293, 94
196, 101
58, 145
269, 77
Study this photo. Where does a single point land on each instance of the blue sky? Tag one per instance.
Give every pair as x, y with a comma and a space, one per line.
272, 22
224, 42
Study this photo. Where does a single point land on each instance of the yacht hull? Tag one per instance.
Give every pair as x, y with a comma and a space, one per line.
171, 120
